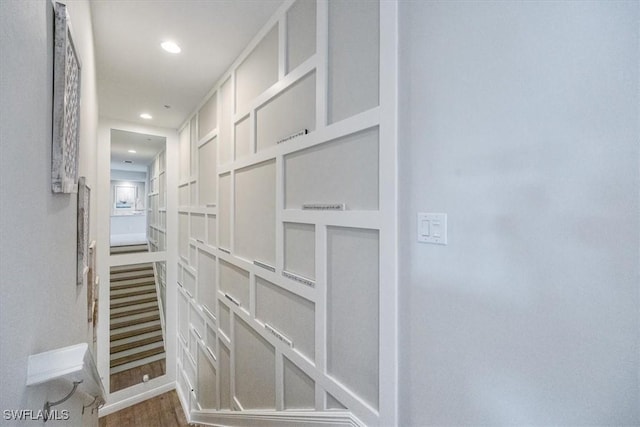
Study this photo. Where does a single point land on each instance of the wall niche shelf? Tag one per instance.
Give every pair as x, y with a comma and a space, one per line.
74, 364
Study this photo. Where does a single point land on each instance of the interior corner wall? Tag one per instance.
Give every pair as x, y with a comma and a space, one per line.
41, 307
520, 121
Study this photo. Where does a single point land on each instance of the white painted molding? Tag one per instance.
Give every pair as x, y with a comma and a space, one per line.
275, 418
141, 397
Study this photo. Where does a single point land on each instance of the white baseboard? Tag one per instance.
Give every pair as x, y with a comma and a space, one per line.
275, 419
125, 403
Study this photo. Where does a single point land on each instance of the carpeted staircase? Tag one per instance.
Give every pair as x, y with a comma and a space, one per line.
136, 332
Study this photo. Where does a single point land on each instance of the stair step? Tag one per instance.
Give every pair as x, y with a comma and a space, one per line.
137, 343
153, 307
124, 284
133, 333
137, 363
137, 356
135, 321
131, 267
115, 296
127, 289
126, 311
115, 343
133, 302
129, 249
135, 350
135, 328
129, 275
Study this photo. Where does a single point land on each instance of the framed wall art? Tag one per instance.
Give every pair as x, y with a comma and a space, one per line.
125, 197
84, 196
91, 281
66, 106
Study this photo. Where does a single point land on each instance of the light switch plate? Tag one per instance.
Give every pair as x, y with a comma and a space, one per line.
432, 228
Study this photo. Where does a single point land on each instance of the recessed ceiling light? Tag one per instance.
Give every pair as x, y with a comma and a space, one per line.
146, 116
170, 47
132, 151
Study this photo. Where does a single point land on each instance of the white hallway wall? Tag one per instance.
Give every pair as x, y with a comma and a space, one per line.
40, 308
520, 120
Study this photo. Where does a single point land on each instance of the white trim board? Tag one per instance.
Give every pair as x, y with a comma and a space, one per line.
275, 419
130, 401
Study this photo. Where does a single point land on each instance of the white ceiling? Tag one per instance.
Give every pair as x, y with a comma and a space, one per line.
135, 75
146, 147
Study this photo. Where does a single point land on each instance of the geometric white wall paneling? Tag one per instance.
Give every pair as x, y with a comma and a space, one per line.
192, 344
193, 147
353, 58
258, 71
193, 192
211, 231
162, 188
183, 235
254, 368
207, 176
189, 366
299, 388
196, 318
161, 162
255, 213
162, 240
226, 114
207, 380
207, 117
192, 257
291, 111
183, 316
344, 170
356, 219
179, 276
224, 211
291, 285
185, 155
323, 59
211, 340
197, 227
323, 382
287, 316
162, 219
180, 382
224, 367
242, 131
299, 249
320, 251
234, 283
224, 319
207, 295
301, 32
183, 195
189, 281
332, 403
322, 50
352, 310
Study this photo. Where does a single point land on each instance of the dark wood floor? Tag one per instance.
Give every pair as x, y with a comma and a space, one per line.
134, 376
161, 411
